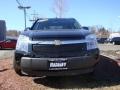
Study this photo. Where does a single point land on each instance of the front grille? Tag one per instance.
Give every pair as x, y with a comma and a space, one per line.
65, 50
58, 38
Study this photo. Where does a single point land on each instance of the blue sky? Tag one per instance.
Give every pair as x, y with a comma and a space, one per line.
87, 12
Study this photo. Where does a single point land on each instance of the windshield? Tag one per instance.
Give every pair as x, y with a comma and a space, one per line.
56, 24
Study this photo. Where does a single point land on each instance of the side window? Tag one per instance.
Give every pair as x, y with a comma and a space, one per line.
35, 27
77, 25
8, 40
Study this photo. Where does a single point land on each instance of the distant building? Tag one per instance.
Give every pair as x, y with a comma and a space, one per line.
2, 30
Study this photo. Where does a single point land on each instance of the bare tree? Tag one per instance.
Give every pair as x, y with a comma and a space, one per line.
59, 8
13, 33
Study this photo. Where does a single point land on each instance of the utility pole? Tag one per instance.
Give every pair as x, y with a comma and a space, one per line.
24, 8
35, 16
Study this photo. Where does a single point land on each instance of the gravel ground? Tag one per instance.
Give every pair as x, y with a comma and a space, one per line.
4, 54
105, 77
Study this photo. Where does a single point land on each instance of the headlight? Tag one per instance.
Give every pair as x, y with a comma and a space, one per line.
22, 43
91, 42
24, 38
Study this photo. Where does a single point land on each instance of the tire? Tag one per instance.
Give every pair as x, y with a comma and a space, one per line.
0, 47
114, 43
17, 68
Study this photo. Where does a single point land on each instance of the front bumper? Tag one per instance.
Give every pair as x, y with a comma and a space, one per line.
74, 65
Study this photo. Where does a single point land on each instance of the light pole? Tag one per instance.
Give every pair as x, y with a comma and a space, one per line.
24, 9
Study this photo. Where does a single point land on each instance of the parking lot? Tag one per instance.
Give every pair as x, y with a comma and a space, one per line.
4, 54
108, 47
105, 77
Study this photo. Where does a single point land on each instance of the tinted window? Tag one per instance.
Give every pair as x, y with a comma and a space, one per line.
56, 24
11, 40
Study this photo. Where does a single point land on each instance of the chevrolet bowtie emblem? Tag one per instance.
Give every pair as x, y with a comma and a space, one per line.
57, 42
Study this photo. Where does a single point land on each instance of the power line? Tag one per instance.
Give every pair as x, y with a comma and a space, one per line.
18, 3
35, 16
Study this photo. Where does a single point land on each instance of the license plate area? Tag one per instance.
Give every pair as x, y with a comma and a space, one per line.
58, 64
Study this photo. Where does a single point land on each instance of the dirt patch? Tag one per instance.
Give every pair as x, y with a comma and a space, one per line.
105, 77
5, 54
9, 80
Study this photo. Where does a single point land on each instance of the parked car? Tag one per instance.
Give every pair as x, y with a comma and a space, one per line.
115, 40
8, 43
56, 47
101, 40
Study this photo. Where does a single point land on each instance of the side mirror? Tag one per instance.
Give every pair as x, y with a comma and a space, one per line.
28, 28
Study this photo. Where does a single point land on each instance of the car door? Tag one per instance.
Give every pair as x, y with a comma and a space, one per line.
13, 43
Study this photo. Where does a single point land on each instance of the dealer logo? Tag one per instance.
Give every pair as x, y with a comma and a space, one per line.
57, 42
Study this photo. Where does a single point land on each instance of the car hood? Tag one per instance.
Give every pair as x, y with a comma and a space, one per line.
56, 34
